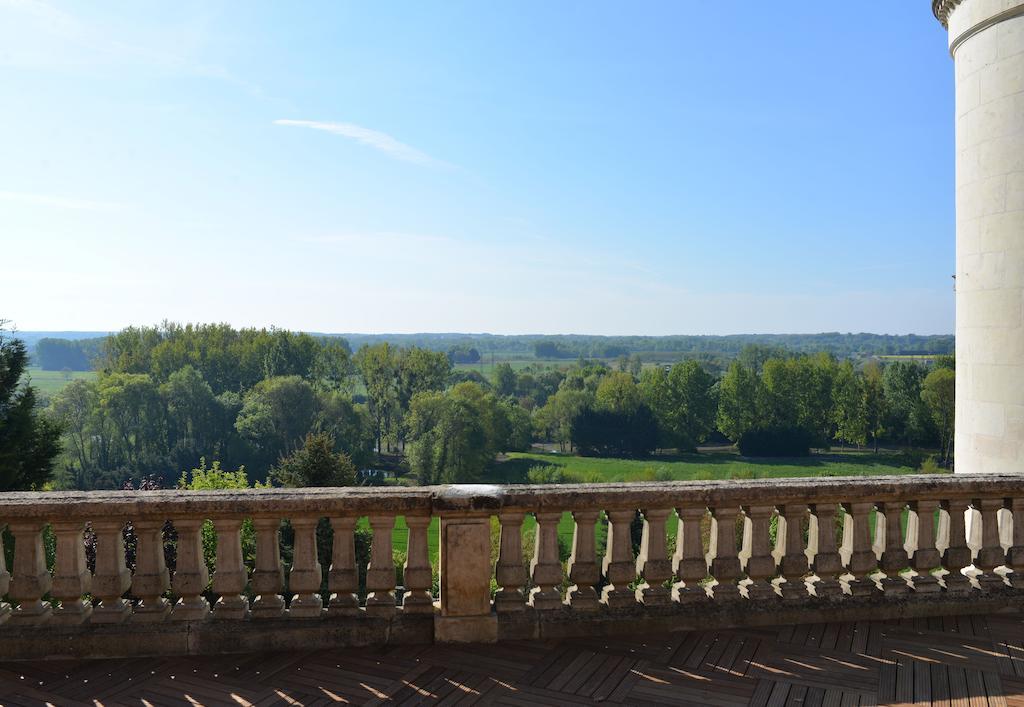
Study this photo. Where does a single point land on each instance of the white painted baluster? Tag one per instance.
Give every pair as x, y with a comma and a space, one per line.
418, 577
305, 576
5, 579
190, 573
725, 568
619, 565
862, 559
894, 558
71, 576
761, 565
31, 579
268, 575
689, 563
926, 557
653, 563
546, 567
827, 562
991, 554
794, 562
343, 576
230, 577
583, 570
958, 553
509, 569
380, 574
112, 577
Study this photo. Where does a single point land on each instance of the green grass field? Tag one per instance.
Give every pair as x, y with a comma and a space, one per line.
51, 382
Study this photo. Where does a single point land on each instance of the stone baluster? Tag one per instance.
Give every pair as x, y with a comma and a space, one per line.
343, 576
894, 558
991, 554
230, 577
509, 570
5, 579
862, 560
794, 562
417, 571
583, 570
1014, 556
268, 575
151, 579
689, 563
653, 563
112, 577
725, 568
71, 576
958, 553
31, 579
827, 563
380, 573
305, 576
190, 573
926, 556
619, 566
761, 565
546, 567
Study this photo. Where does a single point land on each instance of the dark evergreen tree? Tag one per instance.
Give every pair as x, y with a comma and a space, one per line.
29, 443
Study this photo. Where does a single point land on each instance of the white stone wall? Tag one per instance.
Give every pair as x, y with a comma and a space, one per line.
987, 40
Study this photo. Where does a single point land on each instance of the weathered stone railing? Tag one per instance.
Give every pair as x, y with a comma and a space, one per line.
744, 552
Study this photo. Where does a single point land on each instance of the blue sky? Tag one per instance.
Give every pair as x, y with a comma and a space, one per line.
589, 167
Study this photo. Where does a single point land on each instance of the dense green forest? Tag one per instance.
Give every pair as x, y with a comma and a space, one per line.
164, 398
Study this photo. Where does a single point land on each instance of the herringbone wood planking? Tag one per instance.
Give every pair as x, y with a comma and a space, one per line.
961, 660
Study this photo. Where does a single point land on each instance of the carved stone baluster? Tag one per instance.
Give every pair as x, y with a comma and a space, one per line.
71, 576
689, 562
5, 579
417, 570
31, 579
343, 576
1014, 557
725, 568
230, 577
619, 566
380, 574
894, 558
509, 570
926, 557
827, 564
546, 567
151, 579
958, 554
112, 577
305, 576
761, 565
991, 554
653, 563
268, 575
794, 562
863, 560
190, 573
583, 570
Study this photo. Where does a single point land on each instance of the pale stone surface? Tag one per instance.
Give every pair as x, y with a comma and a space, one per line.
545, 568
268, 575
71, 576
465, 566
343, 576
305, 575
583, 570
509, 570
190, 575
986, 38
230, 578
417, 570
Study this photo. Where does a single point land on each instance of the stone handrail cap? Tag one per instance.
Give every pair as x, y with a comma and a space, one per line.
469, 497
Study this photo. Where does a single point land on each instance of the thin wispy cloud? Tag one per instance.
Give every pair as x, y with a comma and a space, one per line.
60, 202
371, 138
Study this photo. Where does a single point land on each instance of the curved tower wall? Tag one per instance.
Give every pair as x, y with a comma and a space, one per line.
986, 40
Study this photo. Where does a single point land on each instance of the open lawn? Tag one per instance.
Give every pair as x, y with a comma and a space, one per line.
51, 382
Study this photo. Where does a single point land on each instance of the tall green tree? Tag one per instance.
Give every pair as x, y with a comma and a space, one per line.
378, 367
849, 410
617, 392
938, 391
29, 442
739, 401
683, 402
315, 463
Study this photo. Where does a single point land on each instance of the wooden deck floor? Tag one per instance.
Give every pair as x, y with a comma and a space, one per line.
956, 660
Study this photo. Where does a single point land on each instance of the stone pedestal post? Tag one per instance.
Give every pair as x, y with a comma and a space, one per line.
986, 41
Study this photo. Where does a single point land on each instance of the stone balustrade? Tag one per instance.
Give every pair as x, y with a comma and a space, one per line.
674, 555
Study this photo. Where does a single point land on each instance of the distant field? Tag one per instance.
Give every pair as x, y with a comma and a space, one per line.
51, 382
486, 368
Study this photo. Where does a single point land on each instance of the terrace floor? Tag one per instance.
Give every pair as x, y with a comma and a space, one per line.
954, 660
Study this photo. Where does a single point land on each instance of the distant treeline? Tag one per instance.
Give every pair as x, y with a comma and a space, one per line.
73, 355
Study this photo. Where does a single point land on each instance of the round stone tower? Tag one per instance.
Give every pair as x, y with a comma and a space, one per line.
986, 40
